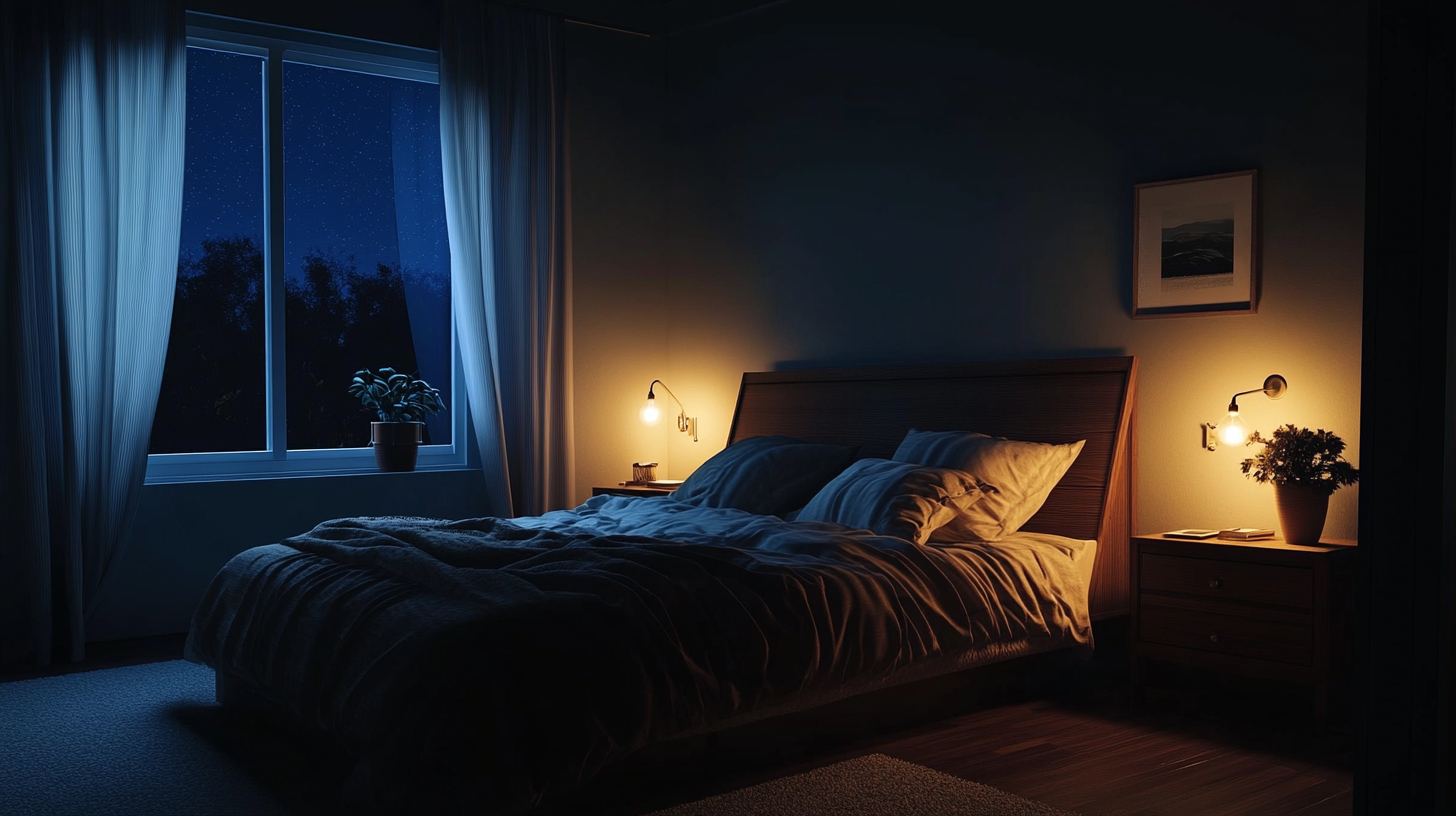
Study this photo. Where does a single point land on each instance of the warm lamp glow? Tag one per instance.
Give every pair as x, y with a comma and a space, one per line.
650, 414
1232, 431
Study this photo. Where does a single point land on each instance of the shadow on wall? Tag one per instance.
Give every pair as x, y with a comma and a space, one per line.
944, 357
185, 532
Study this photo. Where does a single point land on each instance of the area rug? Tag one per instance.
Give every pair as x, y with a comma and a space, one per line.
874, 785
145, 739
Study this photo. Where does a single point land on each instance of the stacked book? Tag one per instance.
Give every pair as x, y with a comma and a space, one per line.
1231, 534
1245, 534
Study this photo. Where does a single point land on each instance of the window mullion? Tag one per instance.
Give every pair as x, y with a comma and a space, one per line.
275, 288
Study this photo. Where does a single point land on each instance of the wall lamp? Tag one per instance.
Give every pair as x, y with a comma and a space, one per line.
651, 414
1231, 430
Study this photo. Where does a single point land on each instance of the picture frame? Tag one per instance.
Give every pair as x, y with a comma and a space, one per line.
1196, 246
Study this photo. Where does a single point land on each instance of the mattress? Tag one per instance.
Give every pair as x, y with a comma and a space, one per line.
495, 665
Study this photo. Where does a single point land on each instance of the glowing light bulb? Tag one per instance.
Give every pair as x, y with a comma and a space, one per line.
650, 414
1232, 431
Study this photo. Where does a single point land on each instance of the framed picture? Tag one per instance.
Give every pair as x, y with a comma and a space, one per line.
1196, 246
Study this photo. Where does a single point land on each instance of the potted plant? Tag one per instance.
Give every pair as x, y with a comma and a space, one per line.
402, 403
1306, 467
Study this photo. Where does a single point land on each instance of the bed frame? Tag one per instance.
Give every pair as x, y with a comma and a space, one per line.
1056, 401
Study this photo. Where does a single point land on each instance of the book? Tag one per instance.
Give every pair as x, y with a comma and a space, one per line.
1194, 534
1245, 534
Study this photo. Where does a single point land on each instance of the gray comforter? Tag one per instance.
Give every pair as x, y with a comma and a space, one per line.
496, 664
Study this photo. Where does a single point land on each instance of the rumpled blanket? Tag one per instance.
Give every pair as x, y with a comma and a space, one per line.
490, 665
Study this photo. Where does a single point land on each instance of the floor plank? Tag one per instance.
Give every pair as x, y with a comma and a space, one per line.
1199, 746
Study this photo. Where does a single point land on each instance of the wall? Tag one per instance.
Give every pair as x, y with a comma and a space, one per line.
857, 183
840, 183
186, 532
618, 171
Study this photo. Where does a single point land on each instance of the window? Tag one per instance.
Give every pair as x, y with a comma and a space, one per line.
313, 245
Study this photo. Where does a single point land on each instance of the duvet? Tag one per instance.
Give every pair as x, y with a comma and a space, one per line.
491, 665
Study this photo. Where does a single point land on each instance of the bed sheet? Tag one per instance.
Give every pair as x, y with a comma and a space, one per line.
498, 664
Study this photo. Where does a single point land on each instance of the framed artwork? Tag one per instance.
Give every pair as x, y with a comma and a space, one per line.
1196, 246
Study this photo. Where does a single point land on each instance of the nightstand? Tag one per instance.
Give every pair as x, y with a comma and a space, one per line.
1257, 608
632, 490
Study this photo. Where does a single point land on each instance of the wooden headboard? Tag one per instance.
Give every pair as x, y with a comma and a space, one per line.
1056, 401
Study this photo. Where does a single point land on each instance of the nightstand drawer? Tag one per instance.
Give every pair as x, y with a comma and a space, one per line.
1234, 580
1257, 638
632, 490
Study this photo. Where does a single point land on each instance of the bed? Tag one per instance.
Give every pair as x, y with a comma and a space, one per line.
494, 666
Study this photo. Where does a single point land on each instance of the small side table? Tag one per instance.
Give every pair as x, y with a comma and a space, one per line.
1257, 608
632, 490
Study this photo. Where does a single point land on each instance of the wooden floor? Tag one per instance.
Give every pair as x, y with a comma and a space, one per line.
1108, 762
1125, 763
1198, 746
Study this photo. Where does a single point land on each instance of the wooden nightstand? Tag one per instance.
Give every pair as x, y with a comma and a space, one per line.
632, 490
1258, 608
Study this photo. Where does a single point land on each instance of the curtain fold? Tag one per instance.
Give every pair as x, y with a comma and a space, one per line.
93, 139
502, 135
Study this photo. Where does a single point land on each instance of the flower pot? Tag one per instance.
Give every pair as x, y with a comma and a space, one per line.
396, 444
1301, 513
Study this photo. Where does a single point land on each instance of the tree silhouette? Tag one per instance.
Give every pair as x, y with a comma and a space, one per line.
214, 385
337, 320
340, 320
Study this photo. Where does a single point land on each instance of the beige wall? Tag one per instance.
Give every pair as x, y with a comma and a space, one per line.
618, 233
844, 187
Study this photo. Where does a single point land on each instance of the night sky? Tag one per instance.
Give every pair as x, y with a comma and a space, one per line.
223, 187
344, 134
362, 179
361, 162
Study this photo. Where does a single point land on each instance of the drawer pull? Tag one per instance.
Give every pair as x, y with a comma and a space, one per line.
1215, 583
1213, 638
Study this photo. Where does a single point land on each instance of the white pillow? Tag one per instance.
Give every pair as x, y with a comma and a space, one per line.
893, 498
1015, 476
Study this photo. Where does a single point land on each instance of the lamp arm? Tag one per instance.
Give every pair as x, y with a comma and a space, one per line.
685, 423
680, 407
1274, 388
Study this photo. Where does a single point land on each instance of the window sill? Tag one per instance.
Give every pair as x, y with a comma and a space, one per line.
370, 470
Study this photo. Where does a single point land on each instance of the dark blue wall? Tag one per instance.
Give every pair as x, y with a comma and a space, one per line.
859, 182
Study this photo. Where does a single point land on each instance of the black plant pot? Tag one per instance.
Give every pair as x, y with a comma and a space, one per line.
396, 445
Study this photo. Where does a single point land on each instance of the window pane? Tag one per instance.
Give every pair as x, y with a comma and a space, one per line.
213, 390
367, 259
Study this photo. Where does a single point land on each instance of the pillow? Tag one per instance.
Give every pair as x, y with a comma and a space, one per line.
894, 498
1016, 476
767, 475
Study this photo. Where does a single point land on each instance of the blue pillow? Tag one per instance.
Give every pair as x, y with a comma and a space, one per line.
767, 475
894, 498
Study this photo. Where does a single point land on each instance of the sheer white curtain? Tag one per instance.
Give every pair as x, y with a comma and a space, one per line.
503, 145
92, 153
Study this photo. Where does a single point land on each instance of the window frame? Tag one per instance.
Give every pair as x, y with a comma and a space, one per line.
279, 44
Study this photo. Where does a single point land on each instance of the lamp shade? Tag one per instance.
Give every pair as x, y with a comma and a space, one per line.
650, 413
1232, 431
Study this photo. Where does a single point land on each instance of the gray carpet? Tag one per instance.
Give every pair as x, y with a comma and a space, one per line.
874, 785
147, 740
